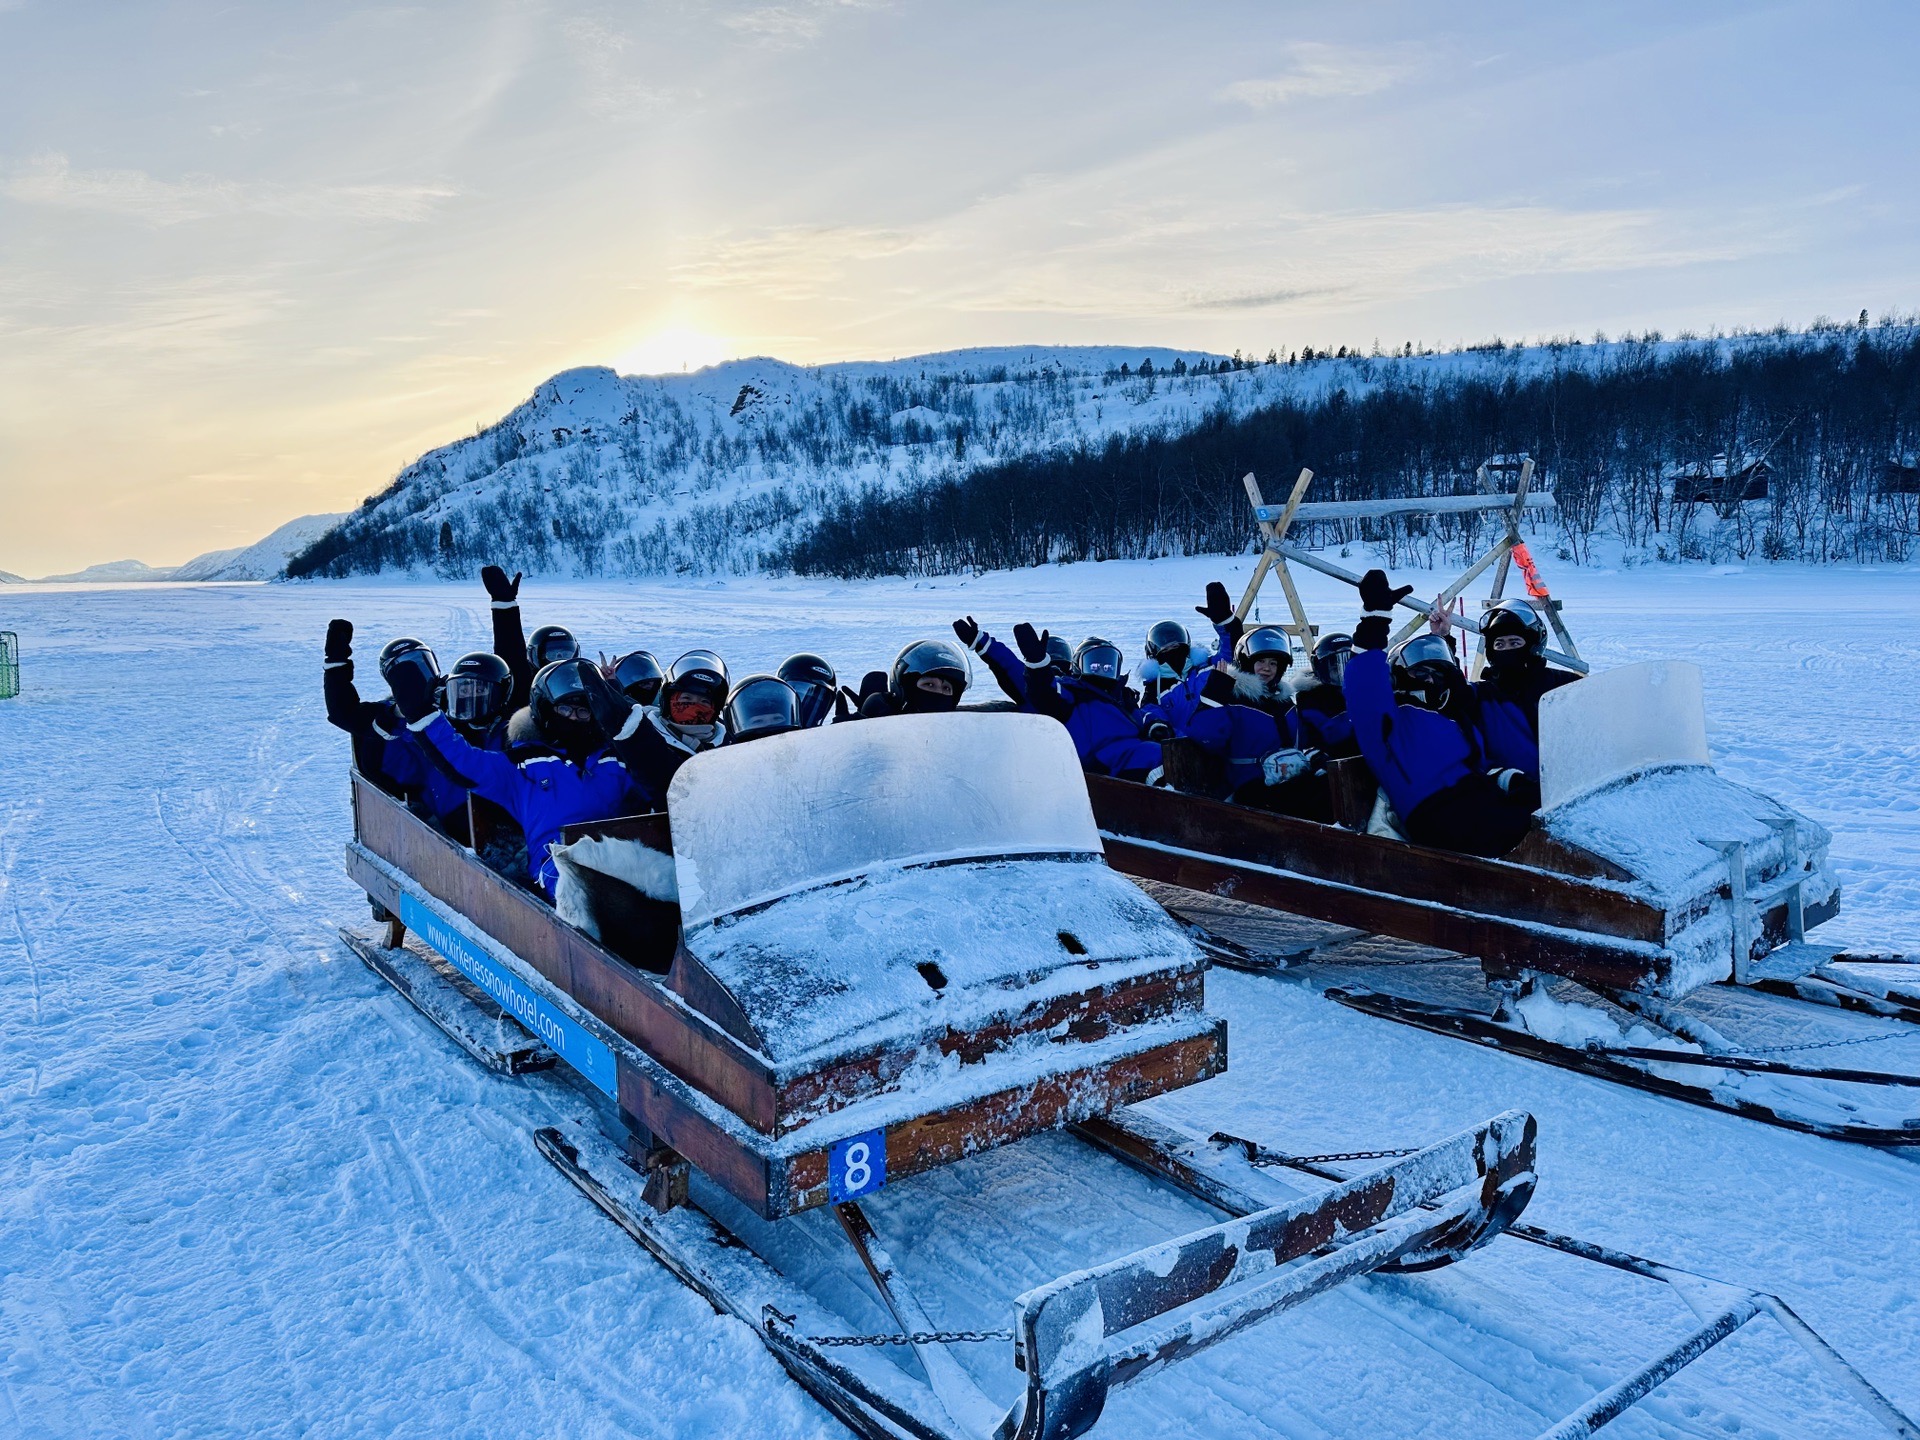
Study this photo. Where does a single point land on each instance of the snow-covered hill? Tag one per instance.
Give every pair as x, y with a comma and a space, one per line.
605, 474
7, 577
717, 471
112, 572
265, 559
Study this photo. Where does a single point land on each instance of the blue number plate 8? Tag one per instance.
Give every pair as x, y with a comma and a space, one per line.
857, 1166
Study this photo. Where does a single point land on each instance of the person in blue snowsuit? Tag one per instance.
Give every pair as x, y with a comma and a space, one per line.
579, 781
384, 750
1016, 676
1321, 721
1510, 687
524, 658
1414, 723
1100, 712
1237, 710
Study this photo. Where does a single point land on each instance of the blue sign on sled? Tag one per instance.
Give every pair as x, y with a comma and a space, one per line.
561, 1033
857, 1166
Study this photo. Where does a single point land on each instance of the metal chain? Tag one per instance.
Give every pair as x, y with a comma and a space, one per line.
1268, 1157
778, 1320
918, 1337
1833, 1044
1259, 1155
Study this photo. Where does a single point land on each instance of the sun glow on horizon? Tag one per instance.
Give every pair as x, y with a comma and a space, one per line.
671, 351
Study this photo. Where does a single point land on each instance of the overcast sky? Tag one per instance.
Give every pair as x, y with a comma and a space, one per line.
253, 259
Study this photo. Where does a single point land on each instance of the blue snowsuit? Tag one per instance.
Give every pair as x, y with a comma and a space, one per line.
1510, 713
543, 794
1318, 725
1241, 735
386, 752
1104, 724
1011, 671
1414, 753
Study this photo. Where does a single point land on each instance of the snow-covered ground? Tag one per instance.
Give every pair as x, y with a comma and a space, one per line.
245, 1190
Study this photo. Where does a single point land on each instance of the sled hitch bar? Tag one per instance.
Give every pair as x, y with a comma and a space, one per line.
1080, 1336
1723, 1308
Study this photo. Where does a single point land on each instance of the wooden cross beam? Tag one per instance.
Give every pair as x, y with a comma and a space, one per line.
1273, 531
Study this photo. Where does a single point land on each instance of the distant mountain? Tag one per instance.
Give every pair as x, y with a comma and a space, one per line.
7, 577
600, 474
265, 559
113, 572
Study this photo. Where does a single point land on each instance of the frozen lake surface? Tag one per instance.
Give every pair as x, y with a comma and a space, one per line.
245, 1190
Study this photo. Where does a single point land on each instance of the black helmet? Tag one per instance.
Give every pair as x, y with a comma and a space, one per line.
1098, 660
1060, 654
1170, 644
561, 711
1514, 633
638, 676
478, 688
1264, 642
1330, 658
1426, 674
411, 653
699, 674
929, 675
814, 686
761, 705
551, 643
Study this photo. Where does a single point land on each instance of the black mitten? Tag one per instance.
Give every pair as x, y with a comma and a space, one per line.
611, 709
1220, 687
1033, 645
1377, 593
412, 692
1219, 607
339, 642
501, 590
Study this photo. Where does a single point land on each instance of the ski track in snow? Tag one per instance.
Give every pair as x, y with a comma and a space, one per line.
248, 1190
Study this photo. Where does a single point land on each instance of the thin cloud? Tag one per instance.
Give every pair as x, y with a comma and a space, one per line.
791, 263
791, 25
1322, 72
601, 53
1260, 300
51, 181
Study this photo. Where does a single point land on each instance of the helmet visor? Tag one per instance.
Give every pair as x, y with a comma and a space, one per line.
1425, 647
552, 647
764, 707
420, 659
814, 701
1101, 662
471, 698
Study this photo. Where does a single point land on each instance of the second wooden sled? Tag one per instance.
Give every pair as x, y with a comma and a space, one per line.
1648, 880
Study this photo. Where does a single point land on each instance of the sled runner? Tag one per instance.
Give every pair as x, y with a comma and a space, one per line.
1649, 888
896, 945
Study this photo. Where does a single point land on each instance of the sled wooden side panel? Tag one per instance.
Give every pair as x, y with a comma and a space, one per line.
1502, 947
1065, 1097
1370, 862
634, 1005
